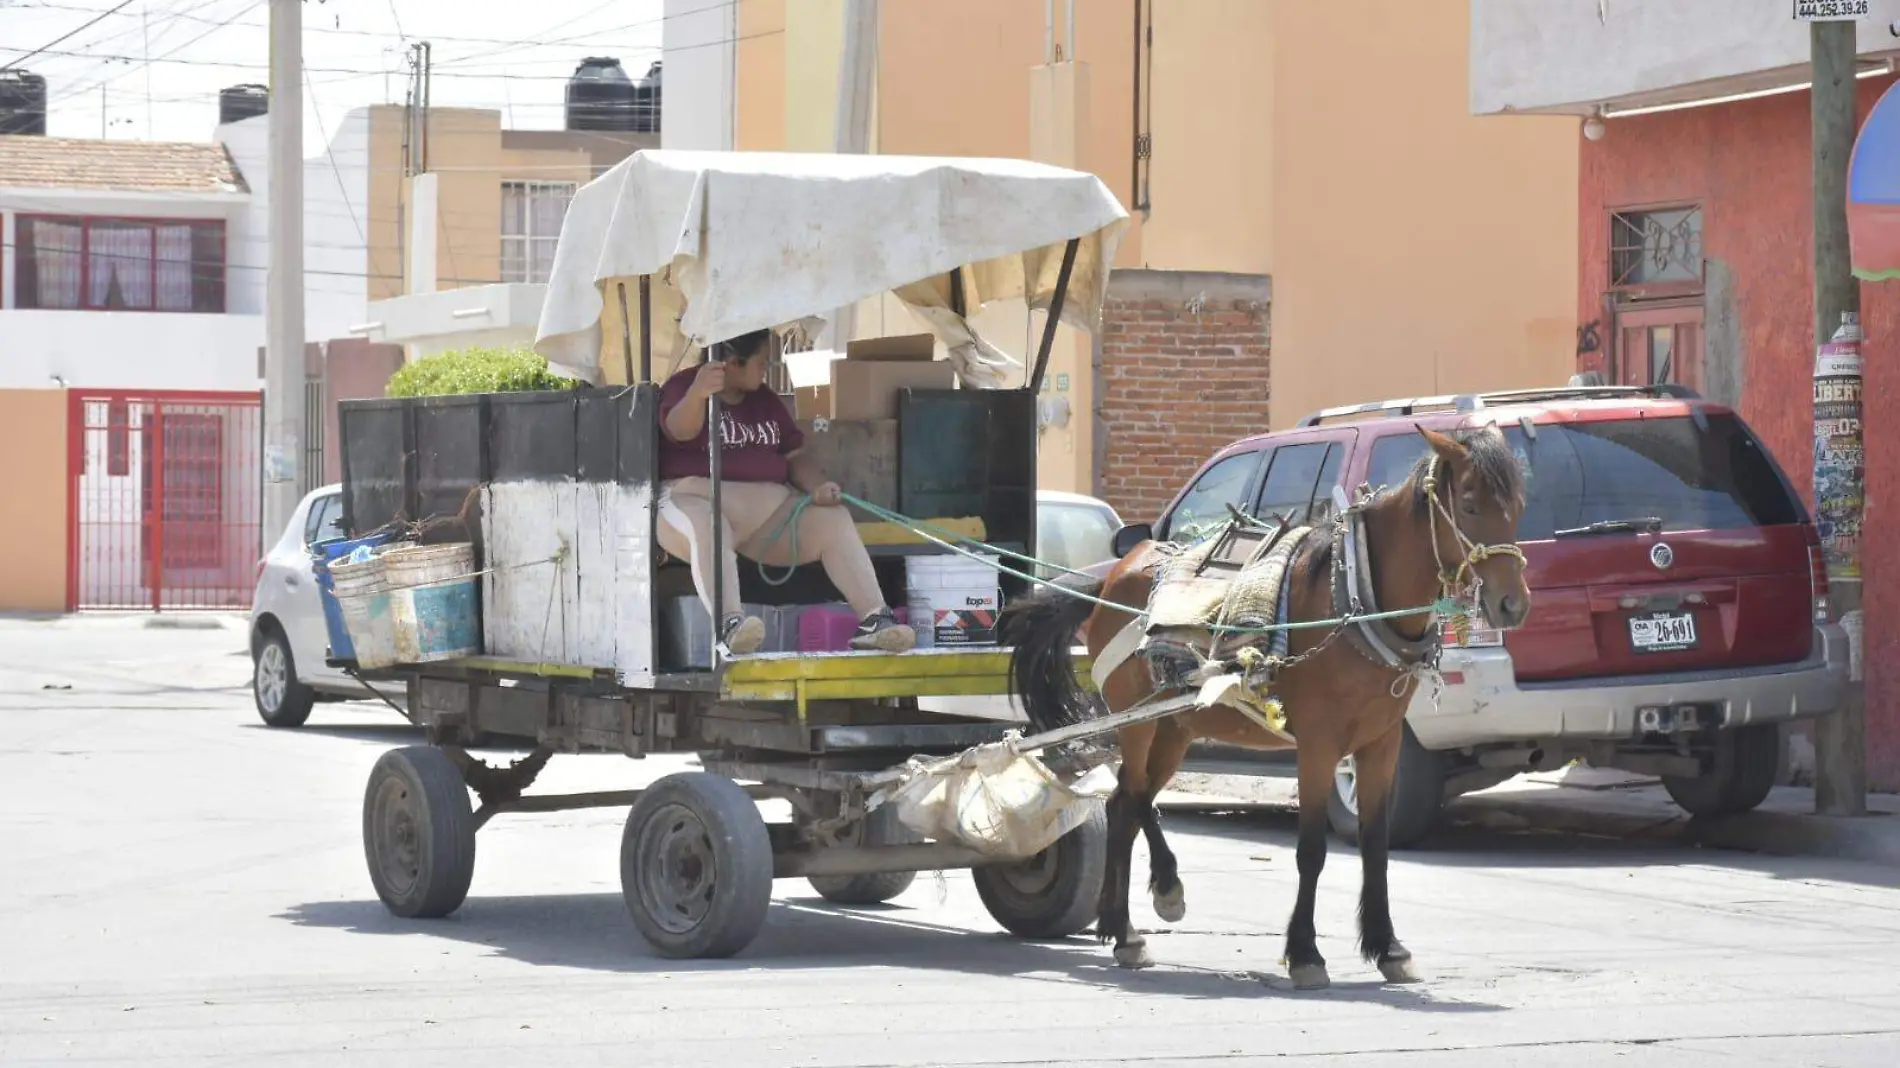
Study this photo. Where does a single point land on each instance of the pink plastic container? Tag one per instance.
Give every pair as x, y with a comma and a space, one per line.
827, 628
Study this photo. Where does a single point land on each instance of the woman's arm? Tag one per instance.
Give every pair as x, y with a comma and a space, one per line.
687, 418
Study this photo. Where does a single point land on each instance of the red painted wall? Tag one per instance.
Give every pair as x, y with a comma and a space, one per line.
1748, 165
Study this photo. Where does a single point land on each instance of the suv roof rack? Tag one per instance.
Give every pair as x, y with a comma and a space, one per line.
1471, 402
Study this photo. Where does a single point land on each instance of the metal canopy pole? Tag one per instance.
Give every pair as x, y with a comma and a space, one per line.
646, 328
713, 448
626, 331
1055, 315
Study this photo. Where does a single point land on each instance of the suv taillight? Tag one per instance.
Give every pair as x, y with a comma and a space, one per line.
259, 577
1817, 577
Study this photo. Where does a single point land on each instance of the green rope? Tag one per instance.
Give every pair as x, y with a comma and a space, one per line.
1442, 606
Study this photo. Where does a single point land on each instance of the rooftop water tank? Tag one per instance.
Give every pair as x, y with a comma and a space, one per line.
22, 103
241, 102
646, 101
600, 96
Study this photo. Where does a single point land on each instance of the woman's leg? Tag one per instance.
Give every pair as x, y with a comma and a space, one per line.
685, 530
828, 535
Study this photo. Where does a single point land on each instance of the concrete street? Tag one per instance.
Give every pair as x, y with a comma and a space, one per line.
179, 884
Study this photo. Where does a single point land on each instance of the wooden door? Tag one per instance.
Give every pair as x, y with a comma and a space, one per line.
1656, 345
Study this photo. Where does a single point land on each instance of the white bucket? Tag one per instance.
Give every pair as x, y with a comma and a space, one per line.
362, 594
432, 601
952, 599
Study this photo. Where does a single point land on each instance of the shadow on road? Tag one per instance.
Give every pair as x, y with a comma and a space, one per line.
396, 733
1456, 844
592, 931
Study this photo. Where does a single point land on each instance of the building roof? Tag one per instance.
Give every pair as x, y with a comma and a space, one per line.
145, 166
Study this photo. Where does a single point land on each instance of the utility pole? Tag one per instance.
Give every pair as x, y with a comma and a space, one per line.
1840, 787
283, 302
851, 132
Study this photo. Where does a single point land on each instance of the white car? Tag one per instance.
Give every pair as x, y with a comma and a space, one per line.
289, 642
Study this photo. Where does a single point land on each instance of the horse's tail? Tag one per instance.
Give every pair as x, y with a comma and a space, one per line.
1042, 667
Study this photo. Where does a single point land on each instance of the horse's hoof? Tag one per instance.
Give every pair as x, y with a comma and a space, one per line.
1133, 955
1399, 970
1309, 977
1172, 906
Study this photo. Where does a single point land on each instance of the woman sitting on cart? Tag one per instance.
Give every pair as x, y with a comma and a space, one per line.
763, 474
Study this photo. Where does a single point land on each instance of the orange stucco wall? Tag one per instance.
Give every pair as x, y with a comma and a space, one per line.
33, 488
1418, 249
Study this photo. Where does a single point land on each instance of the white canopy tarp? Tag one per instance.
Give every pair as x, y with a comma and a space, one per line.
739, 241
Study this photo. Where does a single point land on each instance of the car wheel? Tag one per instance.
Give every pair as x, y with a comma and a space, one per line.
1739, 778
1418, 797
281, 700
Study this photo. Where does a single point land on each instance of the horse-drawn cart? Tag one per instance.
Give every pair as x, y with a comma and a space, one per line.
591, 638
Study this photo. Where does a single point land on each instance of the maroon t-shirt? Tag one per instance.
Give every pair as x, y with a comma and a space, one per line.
756, 434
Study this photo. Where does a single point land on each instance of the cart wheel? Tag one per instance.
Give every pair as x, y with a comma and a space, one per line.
696, 866
418, 832
1054, 893
880, 828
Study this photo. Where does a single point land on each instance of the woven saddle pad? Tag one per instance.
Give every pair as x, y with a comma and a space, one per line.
1240, 573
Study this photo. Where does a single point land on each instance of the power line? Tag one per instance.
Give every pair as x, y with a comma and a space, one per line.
75, 31
166, 58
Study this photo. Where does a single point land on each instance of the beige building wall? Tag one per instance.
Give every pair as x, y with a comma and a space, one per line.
1416, 248
1210, 110
760, 56
33, 540
467, 154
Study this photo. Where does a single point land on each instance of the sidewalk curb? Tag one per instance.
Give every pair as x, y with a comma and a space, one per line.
1873, 839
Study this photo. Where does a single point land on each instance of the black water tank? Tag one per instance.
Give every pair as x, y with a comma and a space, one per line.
600, 96
646, 101
22, 103
241, 102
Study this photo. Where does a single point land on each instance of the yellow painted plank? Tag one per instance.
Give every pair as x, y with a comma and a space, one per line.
920, 664
883, 533
524, 667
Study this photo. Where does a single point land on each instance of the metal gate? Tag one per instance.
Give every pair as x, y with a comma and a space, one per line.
165, 497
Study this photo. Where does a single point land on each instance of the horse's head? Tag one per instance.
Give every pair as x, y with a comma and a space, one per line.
1475, 490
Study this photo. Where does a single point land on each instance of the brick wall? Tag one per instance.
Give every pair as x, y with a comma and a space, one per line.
1182, 373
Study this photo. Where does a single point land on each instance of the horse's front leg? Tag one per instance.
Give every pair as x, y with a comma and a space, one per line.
1304, 964
1377, 768
1172, 738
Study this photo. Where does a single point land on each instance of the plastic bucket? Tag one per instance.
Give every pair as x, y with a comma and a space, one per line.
328, 553
433, 602
362, 596
952, 599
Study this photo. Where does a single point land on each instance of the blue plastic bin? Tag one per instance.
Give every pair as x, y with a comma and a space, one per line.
341, 647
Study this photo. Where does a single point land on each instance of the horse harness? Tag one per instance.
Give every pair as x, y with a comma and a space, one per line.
1249, 670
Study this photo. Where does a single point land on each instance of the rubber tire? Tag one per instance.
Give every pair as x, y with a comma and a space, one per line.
294, 710
445, 830
1069, 906
741, 857
1418, 799
1747, 762
880, 828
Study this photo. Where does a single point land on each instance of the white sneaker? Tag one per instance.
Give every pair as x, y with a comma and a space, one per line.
743, 635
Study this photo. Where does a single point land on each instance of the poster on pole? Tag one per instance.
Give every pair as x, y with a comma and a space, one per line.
1830, 10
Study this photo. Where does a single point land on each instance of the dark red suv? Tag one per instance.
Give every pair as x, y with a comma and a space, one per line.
1679, 615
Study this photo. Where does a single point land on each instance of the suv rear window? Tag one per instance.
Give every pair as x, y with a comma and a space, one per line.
1716, 477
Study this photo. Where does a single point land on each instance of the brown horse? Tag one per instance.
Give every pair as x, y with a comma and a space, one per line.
1448, 531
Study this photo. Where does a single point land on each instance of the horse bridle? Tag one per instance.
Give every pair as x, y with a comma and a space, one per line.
1451, 583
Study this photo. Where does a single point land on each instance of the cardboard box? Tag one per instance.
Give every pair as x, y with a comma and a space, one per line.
859, 455
864, 384
905, 347
811, 402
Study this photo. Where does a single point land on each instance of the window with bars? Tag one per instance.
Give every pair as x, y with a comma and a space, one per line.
110, 264
1658, 247
531, 214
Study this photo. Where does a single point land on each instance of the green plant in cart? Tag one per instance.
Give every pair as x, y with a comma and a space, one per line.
476, 369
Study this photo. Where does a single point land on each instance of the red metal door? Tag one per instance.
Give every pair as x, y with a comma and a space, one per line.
165, 499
